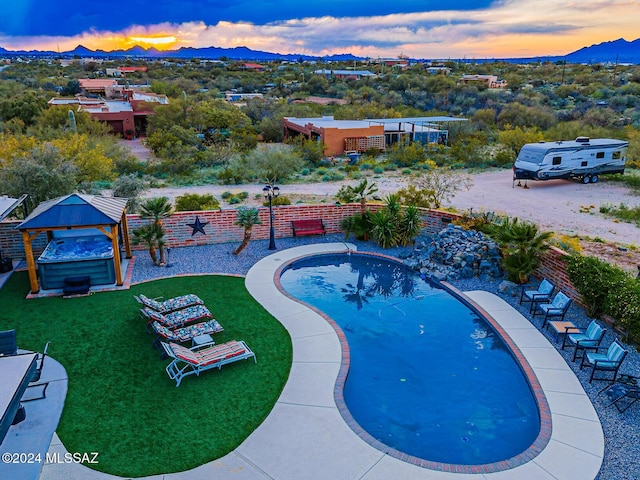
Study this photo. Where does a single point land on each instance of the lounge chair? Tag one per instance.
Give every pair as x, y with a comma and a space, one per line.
627, 387
541, 294
170, 305
558, 307
8, 343
176, 319
193, 361
609, 361
184, 334
588, 339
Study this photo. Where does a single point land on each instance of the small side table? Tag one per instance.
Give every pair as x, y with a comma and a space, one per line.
563, 327
202, 340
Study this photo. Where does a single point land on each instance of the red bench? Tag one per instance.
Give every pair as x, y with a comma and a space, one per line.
308, 227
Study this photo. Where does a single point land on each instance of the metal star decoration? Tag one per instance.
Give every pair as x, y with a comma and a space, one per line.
198, 226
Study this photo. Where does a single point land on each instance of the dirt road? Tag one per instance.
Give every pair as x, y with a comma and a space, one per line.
565, 207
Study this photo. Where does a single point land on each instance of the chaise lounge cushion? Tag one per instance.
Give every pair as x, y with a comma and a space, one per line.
171, 304
178, 318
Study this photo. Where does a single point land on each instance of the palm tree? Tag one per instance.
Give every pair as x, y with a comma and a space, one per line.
155, 208
247, 218
362, 192
148, 234
522, 245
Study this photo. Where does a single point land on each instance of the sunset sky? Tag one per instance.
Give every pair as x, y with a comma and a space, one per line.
368, 28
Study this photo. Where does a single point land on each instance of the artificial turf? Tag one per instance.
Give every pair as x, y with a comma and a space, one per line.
120, 401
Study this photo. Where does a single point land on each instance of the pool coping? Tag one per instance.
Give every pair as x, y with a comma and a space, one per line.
544, 433
305, 435
575, 448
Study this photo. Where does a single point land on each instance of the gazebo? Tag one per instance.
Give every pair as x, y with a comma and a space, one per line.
106, 215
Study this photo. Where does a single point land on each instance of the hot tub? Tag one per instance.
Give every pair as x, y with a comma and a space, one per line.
77, 256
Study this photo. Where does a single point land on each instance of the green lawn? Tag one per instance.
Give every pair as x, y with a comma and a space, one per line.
120, 401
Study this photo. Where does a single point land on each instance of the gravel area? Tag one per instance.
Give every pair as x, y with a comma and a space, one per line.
622, 430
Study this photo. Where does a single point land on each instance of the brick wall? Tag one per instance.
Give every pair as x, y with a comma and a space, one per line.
221, 229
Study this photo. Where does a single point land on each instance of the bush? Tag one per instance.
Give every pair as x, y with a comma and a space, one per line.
190, 202
594, 279
378, 170
281, 200
623, 303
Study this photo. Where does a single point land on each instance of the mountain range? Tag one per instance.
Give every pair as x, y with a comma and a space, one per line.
616, 51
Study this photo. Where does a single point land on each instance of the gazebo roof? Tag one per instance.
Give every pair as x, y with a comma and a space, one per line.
75, 210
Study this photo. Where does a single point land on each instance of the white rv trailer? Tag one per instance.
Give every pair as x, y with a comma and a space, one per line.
583, 159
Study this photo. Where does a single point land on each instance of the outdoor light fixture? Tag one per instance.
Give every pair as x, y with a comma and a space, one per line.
270, 192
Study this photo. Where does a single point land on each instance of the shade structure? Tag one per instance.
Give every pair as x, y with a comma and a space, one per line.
75, 212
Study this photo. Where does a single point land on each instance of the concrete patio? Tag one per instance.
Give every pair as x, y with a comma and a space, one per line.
305, 436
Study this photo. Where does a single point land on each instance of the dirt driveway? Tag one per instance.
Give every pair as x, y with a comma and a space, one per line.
564, 207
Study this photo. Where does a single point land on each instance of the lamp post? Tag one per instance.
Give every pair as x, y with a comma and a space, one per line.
270, 192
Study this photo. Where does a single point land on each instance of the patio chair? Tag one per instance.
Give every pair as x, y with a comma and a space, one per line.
36, 378
8, 343
558, 307
169, 305
588, 339
541, 294
193, 361
607, 362
184, 334
176, 319
627, 387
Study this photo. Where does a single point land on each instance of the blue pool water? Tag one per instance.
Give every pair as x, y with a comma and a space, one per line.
428, 376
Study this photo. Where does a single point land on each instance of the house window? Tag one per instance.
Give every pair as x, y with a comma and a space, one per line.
556, 160
617, 154
600, 155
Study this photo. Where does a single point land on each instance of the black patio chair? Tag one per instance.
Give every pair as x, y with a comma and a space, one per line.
33, 384
8, 343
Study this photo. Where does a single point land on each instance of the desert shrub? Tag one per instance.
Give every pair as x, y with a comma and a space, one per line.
378, 170
130, 187
570, 245
195, 202
280, 200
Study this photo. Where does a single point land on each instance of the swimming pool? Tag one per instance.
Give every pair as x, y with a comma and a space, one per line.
428, 376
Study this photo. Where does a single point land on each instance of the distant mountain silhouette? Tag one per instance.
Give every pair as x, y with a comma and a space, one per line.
619, 50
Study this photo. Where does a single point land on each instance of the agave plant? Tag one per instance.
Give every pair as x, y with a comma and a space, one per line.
384, 228
409, 226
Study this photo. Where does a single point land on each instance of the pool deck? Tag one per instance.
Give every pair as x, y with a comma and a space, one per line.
306, 437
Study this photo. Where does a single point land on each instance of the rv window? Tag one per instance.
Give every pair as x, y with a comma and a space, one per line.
557, 160
600, 155
584, 164
616, 155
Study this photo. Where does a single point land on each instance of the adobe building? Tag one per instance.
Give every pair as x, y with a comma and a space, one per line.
338, 136
346, 136
126, 116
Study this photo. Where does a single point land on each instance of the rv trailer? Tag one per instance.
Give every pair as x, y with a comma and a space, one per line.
583, 159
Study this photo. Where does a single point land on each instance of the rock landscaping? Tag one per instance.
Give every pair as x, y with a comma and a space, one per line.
455, 253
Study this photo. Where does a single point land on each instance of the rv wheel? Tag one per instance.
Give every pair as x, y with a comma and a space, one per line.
594, 178
586, 179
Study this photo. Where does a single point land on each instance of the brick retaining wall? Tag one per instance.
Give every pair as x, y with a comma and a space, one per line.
221, 229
